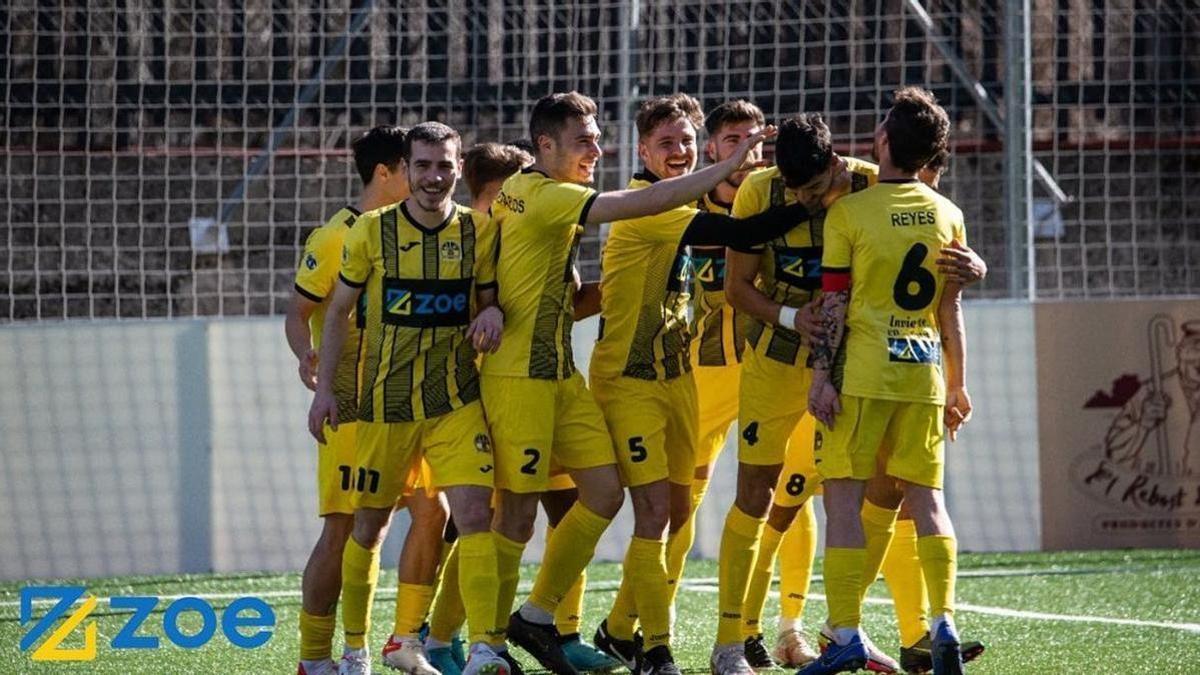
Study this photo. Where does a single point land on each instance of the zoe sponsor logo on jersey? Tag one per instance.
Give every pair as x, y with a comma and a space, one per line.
247, 622
710, 270
799, 266
426, 303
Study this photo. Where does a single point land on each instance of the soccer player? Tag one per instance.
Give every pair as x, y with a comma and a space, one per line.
421, 261
538, 407
883, 392
377, 156
641, 370
775, 286
717, 342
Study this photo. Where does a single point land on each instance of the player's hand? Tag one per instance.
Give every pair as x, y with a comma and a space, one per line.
324, 408
960, 263
958, 410
1154, 409
824, 402
308, 369
808, 321
742, 151
484, 331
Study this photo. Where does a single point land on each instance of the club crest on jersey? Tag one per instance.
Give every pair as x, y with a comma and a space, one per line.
451, 251
310, 261
483, 444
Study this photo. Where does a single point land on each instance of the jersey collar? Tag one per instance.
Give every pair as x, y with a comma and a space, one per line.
646, 175
899, 181
413, 221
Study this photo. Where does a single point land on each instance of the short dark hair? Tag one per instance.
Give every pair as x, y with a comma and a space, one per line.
550, 113
489, 162
917, 128
381, 145
939, 162
655, 111
732, 112
803, 148
432, 133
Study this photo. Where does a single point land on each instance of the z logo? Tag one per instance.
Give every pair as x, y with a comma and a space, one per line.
399, 302
66, 596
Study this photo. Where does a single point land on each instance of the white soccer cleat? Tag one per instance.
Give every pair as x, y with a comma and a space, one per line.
355, 662
407, 654
792, 650
729, 660
322, 667
483, 661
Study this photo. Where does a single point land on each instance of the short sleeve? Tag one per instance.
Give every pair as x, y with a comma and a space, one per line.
487, 240
838, 237
319, 265
559, 203
665, 227
356, 252
960, 231
750, 200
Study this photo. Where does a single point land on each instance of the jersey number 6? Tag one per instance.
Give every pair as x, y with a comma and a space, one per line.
911, 273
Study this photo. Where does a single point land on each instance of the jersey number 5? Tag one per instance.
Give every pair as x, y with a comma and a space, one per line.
912, 274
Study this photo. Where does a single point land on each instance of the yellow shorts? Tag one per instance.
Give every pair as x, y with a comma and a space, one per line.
799, 480
560, 480
717, 394
541, 424
653, 425
773, 398
335, 470
456, 446
908, 435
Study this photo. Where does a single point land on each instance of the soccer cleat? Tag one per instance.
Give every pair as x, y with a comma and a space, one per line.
407, 654
483, 661
877, 660
729, 660
355, 662
837, 658
443, 660
756, 653
321, 667
542, 643
514, 666
792, 650
946, 651
586, 658
658, 661
626, 652
458, 651
919, 659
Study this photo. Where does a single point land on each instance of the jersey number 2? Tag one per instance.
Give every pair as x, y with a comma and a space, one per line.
911, 273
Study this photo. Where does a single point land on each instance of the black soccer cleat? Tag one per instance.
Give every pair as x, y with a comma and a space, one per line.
658, 661
919, 658
514, 667
542, 643
627, 652
756, 653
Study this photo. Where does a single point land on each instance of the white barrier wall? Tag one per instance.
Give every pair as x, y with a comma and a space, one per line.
181, 446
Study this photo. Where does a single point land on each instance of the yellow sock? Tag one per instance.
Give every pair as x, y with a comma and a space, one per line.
360, 573
412, 606
448, 614
508, 573
760, 582
622, 618
569, 612
739, 548
316, 636
902, 572
567, 554
796, 555
477, 554
939, 563
843, 581
646, 569
680, 543
878, 526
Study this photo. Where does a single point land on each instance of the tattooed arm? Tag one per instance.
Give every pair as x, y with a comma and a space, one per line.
823, 399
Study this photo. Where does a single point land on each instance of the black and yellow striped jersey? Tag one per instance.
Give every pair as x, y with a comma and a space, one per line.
716, 327
789, 270
539, 221
646, 284
419, 283
315, 279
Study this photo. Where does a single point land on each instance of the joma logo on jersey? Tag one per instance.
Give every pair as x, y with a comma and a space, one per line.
245, 612
426, 303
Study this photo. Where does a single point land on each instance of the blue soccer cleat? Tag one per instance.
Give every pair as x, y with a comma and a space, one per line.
586, 658
442, 659
839, 659
946, 651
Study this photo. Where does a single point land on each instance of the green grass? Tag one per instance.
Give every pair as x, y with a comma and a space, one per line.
1162, 586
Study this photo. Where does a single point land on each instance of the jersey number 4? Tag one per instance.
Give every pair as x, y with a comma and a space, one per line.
915, 286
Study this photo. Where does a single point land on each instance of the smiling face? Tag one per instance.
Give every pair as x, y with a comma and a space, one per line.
572, 154
724, 142
433, 170
670, 149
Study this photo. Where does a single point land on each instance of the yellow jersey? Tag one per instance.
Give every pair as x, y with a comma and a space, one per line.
646, 283
539, 221
419, 283
887, 238
716, 327
789, 270
315, 278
